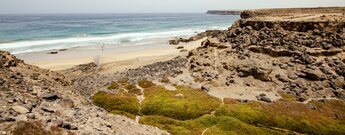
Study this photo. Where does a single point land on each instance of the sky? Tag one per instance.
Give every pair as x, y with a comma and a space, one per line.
149, 6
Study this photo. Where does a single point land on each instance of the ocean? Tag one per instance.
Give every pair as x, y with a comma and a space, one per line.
33, 33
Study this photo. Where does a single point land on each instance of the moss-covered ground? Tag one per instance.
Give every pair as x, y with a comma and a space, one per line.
181, 104
192, 111
117, 102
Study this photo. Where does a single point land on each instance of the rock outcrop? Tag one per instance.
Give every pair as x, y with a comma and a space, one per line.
38, 101
296, 52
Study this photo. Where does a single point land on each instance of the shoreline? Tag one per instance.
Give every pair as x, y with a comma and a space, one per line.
111, 58
267, 74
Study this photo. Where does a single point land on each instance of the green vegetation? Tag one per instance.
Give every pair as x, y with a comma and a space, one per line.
286, 115
145, 83
113, 86
288, 97
130, 86
135, 91
117, 112
214, 125
120, 102
256, 118
193, 104
192, 111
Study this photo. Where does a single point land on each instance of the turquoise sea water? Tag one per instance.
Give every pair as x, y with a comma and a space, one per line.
31, 33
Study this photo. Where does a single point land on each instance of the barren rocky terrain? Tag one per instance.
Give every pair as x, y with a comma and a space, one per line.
37, 101
268, 73
304, 58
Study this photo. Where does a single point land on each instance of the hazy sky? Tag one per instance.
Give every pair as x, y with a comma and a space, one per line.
148, 6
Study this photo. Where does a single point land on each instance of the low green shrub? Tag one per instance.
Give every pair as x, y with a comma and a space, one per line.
214, 125
113, 86
295, 117
288, 97
130, 86
135, 91
121, 102
145, 83
193, 104
117, 112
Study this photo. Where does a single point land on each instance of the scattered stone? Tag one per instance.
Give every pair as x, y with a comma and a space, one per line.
7, 119
67, 125
301, 98
265, 99
242, 100
179, 47
31, 116
283, 66
50, 96
20, 109
292, 76
46, 109
183, 50
52, 53
206, 88
179, 95
282, 78
313, 75
62, 50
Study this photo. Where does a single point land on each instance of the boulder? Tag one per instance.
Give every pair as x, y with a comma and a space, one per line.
206, 87
46, 109
314, 75
292, 76
31, 116
67, 126
50, 96
263, 97
339, 82
282, 78
20, 109
259, 72
341, 70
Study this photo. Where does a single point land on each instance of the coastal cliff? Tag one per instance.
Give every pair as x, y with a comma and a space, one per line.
274, 71
280, 56
224, 12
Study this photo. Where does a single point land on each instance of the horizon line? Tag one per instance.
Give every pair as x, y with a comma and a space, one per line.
102, 13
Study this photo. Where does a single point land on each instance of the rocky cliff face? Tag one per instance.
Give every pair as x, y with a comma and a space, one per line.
293, 53
285, 12
37, 101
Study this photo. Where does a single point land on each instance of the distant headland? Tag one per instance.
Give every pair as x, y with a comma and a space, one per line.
224, 12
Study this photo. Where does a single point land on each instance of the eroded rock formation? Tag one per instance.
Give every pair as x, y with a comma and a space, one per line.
291, 52
37, 101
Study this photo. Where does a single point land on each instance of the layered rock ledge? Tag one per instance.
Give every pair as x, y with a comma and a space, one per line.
288, 51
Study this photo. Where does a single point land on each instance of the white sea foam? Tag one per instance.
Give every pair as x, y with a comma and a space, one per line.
86, 40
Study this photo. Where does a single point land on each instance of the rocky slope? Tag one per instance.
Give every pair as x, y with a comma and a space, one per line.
297, 55
293, 52
37, 101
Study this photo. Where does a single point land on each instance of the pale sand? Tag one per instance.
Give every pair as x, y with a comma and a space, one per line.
112, 59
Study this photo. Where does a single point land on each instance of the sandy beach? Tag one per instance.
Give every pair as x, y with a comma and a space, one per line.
272, 72
111, 58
